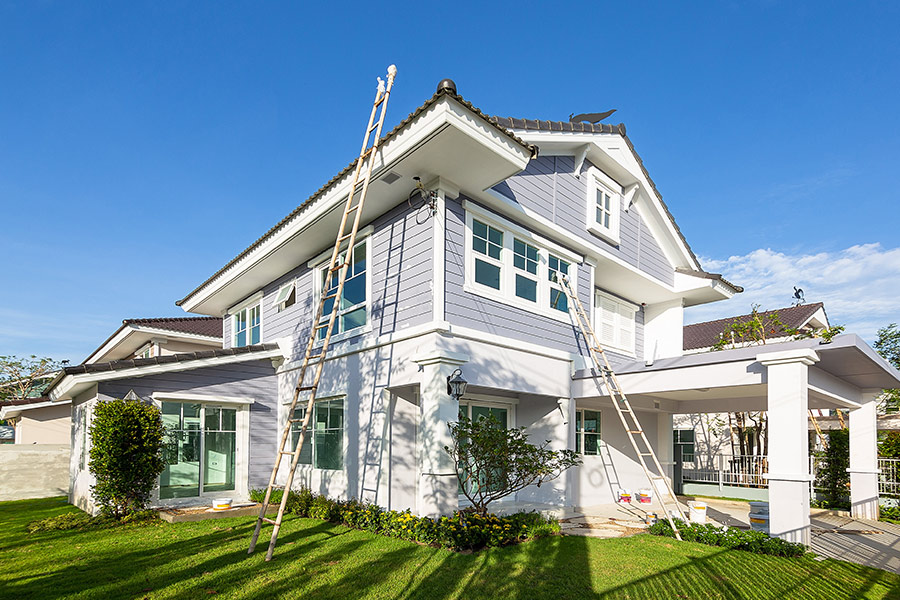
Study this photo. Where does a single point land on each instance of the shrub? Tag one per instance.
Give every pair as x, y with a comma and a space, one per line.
729, 537
833, 477
126, 455
465, 530
889, 446
891, 514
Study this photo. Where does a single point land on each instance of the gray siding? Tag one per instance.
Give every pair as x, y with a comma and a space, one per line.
549, 187
255, 379
477, 312
401, 282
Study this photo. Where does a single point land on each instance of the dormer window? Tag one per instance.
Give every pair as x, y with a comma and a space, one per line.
603, 206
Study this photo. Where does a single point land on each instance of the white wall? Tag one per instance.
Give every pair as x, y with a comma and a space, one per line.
33, 471
48, 425
663, 330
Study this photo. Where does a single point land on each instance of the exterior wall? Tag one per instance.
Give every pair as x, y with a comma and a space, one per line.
549, 187
80, 478
597, 480
477, 312
177, 347
543, 420
400, 283
50, 425
33, 471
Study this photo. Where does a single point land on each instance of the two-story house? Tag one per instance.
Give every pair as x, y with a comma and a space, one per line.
471, 285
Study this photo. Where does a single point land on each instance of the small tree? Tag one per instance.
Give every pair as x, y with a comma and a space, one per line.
832, 476
126, 455
889, 446
24, 377
493, 462
888, 345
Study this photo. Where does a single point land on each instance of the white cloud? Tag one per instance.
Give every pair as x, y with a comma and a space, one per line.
859, 285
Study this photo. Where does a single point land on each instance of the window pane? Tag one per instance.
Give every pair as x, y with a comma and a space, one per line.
229, 419
335, 414
354, 291
494, 251
353, 319
519, 261
359, 258
577, 420
479, 229
591, 444
592, 421
329, 449
211, 418
487, 274
181, 477
192, 417
495, 236
526, 288
218, 461
241, 339
479, 245
171, 415
578, 437
559, 301
254, 335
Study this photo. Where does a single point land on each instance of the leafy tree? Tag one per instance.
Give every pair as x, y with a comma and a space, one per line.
126, 455
493, 462
24, 377
832, 476
888, 346
889, 446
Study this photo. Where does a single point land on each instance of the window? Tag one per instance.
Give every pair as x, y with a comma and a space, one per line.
587, 432
296, 427
487, 242
525, 262
247, 326
615, 323
603, 205
287, 296
146, 352
556, 269
685, 439
200, 449
352, 309
328, 436
474, 412
511, 265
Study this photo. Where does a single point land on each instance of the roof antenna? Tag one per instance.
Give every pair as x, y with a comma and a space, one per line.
798, 296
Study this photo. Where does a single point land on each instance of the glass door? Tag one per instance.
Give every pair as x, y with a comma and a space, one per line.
197, 460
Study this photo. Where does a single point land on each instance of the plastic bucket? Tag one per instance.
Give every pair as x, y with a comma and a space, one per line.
759, 508
645, 496
759, 522
624, 496
221, 504
698, 512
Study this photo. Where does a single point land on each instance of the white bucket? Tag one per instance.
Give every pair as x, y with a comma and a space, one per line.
623, 496
698, 512
759, 508
759, 522
221, 504
645, 496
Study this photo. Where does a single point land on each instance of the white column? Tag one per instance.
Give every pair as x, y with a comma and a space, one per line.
664, 443
864, 458
788, 383
437, 492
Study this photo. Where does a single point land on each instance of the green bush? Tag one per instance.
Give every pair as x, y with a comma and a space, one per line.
82, 520
126, 455
889, 446
729, 537
462, 531
833, 478
891, 514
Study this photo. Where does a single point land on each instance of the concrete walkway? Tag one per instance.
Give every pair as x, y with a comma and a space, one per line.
834, 534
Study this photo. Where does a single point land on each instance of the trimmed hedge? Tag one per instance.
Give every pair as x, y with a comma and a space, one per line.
729, 537
462, 531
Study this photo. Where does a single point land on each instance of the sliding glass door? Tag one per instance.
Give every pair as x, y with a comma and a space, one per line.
200, 449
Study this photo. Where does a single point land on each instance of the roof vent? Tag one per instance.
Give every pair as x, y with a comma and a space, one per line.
446, 85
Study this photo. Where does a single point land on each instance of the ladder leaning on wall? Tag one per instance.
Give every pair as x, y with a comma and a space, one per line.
332, 290
603, 374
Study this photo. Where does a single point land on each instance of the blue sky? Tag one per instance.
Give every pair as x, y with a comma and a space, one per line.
143, 145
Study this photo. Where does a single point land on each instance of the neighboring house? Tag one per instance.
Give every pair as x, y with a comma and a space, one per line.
705, 436
38, 420
474, 287
7, 434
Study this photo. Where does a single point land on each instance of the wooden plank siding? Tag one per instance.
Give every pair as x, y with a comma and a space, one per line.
400, 275
470, 310
549, 187
253, 379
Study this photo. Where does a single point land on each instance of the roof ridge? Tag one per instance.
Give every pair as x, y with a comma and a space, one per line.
157, 319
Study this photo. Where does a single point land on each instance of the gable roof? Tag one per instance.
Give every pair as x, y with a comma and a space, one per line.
24, 401
206, 326
607, 128
118, 365
707, 333
441, 92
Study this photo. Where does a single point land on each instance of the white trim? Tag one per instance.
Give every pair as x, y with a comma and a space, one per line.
279, 303
129, 330
71, 381
181, 397
316, 262
176, 334
13, 411
438, 256
248, 301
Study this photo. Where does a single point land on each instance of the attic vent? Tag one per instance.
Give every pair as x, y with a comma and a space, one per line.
390, 178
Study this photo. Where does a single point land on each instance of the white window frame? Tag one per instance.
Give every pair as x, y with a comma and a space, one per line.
284, 294
507, 292
580, 433
617, 320
320, 265
301, 403
253, 301
599, 181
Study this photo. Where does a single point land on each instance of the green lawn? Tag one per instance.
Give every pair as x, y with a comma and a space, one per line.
320, 560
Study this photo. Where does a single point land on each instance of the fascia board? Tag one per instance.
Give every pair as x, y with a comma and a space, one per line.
178, 335
444, 113
9, 412
110, 345
551, 143
67, 387
129, 330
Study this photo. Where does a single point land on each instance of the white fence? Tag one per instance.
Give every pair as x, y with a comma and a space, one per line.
889, 479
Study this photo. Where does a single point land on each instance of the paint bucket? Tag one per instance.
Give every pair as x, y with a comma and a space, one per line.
221, 504
698, 512
645, 496
624, 496
759, 516
651, 519
759, 508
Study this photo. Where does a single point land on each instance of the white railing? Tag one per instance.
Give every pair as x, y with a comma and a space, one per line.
722, 469
889, 478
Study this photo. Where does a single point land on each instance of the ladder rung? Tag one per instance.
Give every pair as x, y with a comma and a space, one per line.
270, 521
345, 237
351, 207
635, 431
646, 454
380, 100
307, 388
286, 452
295, 420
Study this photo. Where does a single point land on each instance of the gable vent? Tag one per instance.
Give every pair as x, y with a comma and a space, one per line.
390, 178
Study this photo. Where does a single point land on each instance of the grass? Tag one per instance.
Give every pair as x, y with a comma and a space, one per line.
320, 560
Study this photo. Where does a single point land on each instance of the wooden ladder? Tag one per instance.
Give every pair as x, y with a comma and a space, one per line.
636, 435
332, 291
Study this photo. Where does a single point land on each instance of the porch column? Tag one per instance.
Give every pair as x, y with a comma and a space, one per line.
864, 458
437, 492
788, 402
664, 444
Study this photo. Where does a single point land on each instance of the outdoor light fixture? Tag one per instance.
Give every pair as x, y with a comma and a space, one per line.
456, 385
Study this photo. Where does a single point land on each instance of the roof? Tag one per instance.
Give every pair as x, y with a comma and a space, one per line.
206, 326
118, 365
24, 401
566, 126
706, 334
707, 275
442, 91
